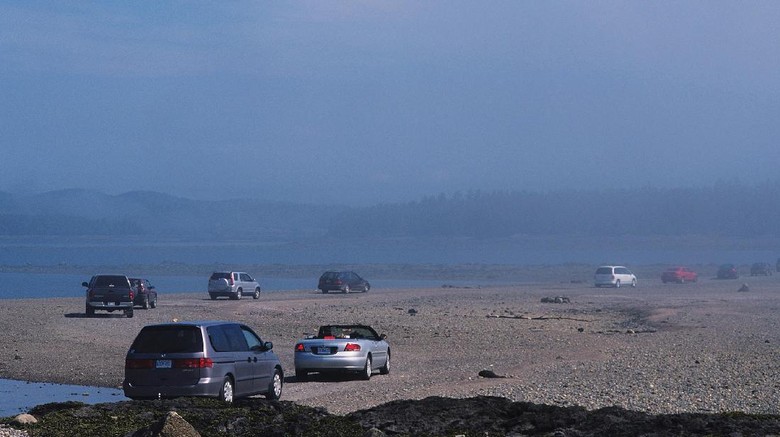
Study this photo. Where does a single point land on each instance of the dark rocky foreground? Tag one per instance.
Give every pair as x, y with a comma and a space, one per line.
433, 416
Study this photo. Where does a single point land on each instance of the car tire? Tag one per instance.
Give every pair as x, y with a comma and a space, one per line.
366, 288
146, 303
154, 302
239, 292
617, 283
129, 313
301, 375
90, 311
346, 289
633, 283
324, 291
384, 370
275, 386
682, 280
367, 370
213, 296
227, 391
257, 293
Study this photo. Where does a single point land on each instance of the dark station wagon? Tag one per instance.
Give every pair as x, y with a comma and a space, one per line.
343, 282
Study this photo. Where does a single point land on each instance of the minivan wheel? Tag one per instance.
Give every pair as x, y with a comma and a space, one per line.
226, 392
257, 293
275, 387
366, 375
617, 283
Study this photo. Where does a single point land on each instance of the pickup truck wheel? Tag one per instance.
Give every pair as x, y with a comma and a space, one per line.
366, 374
90, 311
129, 313
146, 303
275, 386
226, 392
257, 293
154, 303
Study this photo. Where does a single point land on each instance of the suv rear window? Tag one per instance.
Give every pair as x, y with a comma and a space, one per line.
168, 339
220, 275
604, 271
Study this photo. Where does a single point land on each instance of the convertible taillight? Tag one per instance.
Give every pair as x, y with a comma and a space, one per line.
351, 347
299, 347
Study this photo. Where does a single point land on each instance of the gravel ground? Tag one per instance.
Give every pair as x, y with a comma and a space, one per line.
659, 348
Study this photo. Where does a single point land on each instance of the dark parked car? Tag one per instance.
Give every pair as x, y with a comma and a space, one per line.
109, 293
342, 281
728, 271
761, 269
145, 293
209, 358
679, 274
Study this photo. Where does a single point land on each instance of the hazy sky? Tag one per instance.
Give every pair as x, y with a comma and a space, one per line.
363, 102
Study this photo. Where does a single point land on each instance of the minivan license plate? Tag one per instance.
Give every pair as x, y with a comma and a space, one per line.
163, 364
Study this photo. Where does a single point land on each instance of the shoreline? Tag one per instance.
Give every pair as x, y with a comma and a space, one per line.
659, 348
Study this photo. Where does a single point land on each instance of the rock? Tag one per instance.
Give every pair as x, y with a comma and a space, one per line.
744, 287
489, 374
172, 425
556, 299
412, 311
25, 419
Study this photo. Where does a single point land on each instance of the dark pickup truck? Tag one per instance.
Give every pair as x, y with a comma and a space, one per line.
109, 293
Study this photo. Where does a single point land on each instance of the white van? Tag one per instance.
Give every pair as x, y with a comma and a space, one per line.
614, 276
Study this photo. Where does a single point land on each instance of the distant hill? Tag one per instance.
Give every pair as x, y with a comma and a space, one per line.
143, 213
723, 210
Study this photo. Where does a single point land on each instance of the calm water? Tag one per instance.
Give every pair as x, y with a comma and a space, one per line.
19, 396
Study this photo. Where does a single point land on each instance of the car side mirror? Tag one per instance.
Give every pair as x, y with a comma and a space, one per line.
383, 336
84, 284
151, 287
268, 345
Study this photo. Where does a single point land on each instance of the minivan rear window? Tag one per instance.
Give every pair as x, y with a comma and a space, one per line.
604, 271
168, 339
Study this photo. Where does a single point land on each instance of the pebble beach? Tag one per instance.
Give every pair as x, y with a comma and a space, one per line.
659, 348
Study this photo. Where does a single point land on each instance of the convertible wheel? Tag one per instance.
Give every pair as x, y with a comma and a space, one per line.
226, 392
275, 387
366, 375
384, 370
617, 283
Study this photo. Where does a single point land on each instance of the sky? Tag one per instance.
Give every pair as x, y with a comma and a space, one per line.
368, 102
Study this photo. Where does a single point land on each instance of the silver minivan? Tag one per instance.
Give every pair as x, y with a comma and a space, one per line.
208, 358
614, 276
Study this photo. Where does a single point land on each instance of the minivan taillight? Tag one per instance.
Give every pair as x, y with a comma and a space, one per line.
139, 364
193, 363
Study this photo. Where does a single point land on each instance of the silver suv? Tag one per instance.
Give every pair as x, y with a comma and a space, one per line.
232, 285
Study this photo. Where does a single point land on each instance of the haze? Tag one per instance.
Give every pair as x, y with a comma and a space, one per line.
372, 102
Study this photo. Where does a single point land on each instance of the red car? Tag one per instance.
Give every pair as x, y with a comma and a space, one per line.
679, 274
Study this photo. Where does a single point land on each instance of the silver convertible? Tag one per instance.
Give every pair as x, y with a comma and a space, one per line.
351, 348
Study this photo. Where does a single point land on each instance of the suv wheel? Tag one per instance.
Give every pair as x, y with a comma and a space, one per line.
257, 293
238, 294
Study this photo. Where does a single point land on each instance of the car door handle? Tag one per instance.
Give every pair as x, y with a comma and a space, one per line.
249, 359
